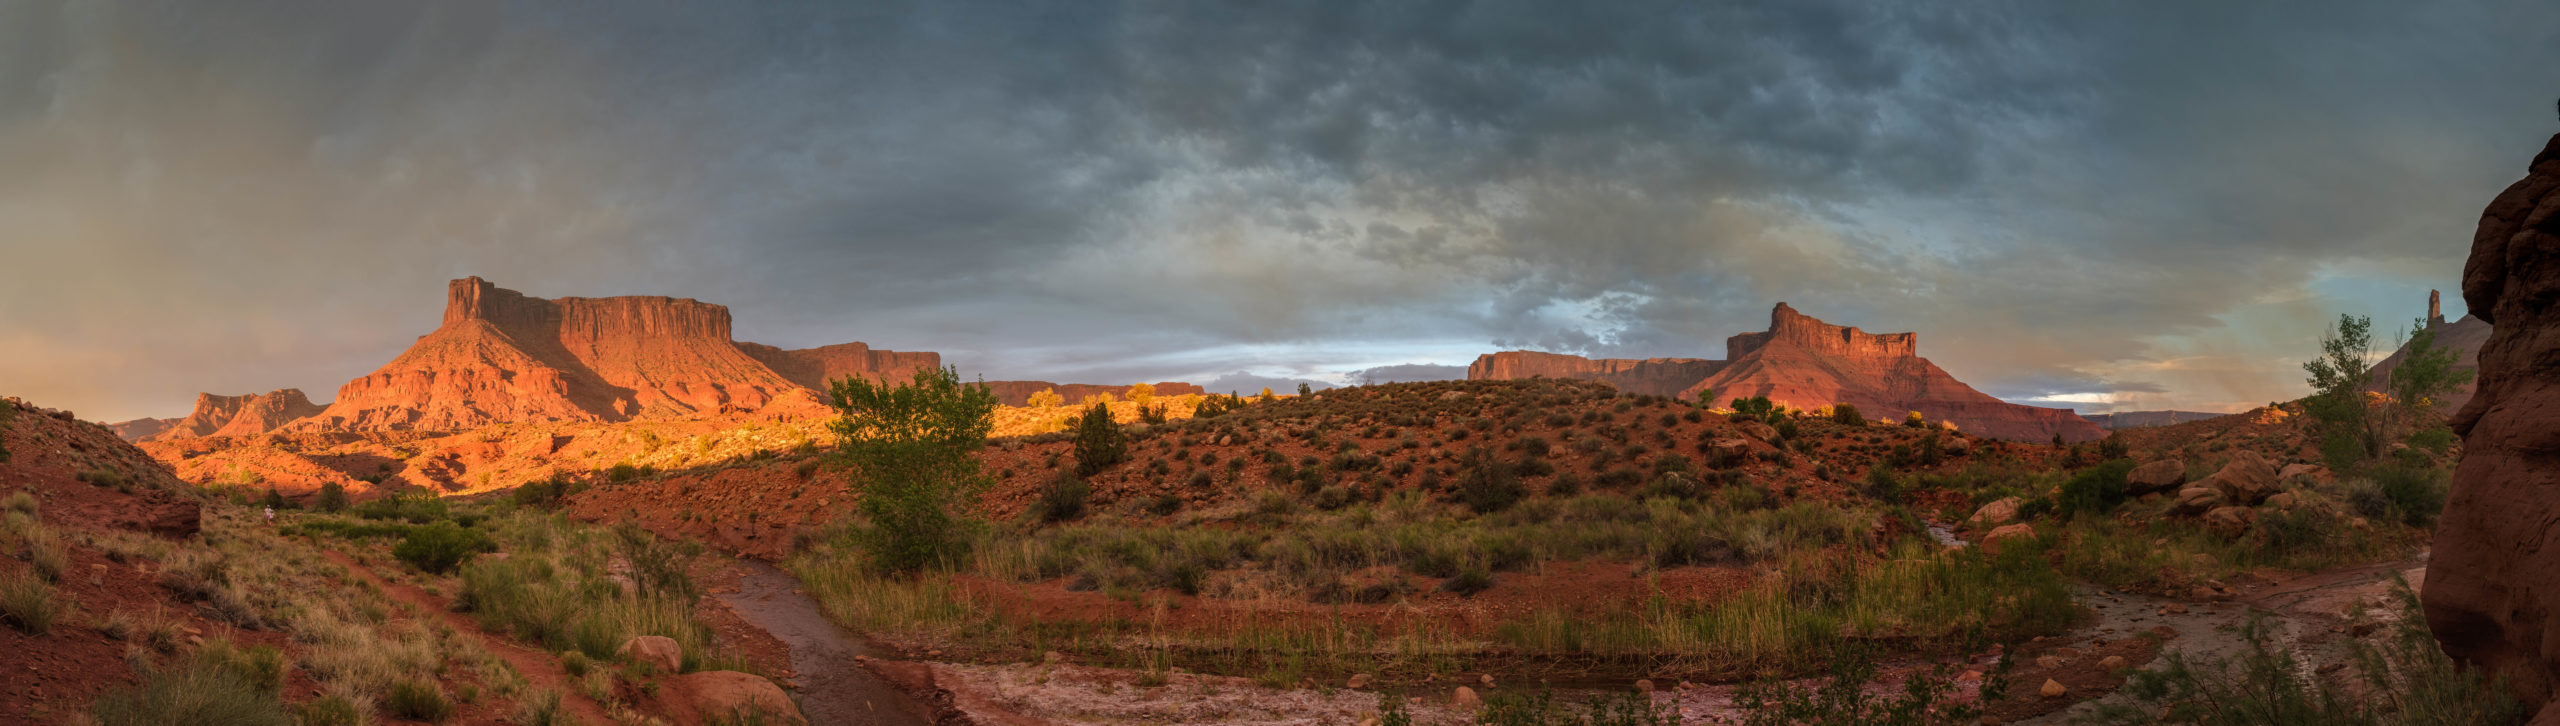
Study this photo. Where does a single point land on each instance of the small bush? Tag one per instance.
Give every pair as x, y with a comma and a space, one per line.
1063, 498
2415, 493
418, 701
21, 502
439, 547
334, 709
102, 477
333, 497
1542, 709
2437, 439
1847, 415
542, 708
27, 602
1099, 441
1469, 581
2096, 490
1488, 485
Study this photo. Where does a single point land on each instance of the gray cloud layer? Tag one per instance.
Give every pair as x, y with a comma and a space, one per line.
2140, 204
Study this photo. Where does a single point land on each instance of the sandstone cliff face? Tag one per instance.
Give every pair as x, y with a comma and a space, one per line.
814, 367
1649, 376
246, 415
502, 356
2492, 591
1805, 363
1018, 393
141, 428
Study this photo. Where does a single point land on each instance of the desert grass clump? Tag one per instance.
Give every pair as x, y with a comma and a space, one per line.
204, 689
417, 700
542, 708
27, 602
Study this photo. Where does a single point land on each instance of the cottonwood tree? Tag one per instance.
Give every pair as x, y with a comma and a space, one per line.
909, 448
2351, 430
2425, 374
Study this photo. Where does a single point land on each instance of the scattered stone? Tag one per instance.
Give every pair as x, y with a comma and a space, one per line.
1995, 514
1358, 681
1969, 677
2048, 662
1644, 685
2229, 521
1052, 657
1486, 679
1991, 542
2111, 662
2053, 689
732, 692
658, 651
2164, 632
2198, 499
2304, 472
1464, 697
2282, 502
2158, 476
2247, 480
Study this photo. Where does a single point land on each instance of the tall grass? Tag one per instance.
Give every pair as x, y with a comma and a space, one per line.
28, 602
209, 689
556, 590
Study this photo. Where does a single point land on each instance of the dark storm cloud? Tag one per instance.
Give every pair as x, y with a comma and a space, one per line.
2060, 197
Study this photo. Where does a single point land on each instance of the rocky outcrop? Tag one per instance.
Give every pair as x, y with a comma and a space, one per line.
1018, 393
504, 357
141, 428
2492, 591
2146, 419
1805, 363
814, 367
247, 415
1649, 376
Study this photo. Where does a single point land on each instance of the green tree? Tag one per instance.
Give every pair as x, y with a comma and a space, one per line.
910, 449
2425, 374
1099, 441
2338, 379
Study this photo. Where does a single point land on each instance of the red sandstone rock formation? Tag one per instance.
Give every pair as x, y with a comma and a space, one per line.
140, 428
1650, 376
1018, 393
1806, 363
502, 356
247, 415
814, 367
2492, 591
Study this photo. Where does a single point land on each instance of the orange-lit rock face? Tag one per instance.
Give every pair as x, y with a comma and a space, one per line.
248, 415
1805, 363
2492, 592
502, 356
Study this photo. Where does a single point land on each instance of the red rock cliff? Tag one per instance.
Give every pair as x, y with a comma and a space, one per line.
1649, 376
2492, 590
1806, 363
245, 415
502, 356
814, 367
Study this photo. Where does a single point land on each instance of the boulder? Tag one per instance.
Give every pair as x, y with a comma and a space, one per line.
2053, 689
658, 651
1991, 542
2229, 521
2198, 499
1464, 697
2158, 476
1994, 514
2283, 501
2492, 591
2304, 473
1758, 430
2247, 480
1729, 449
1358, 681
732, 697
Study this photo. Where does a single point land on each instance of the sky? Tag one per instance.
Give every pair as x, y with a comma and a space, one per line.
2103, 205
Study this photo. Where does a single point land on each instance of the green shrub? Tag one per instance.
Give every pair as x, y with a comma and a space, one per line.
1847, 415
2437, 439
414, 507
439, 547
417, 700
2416, 493
1469, 581
334, 709
1062, 499
101, 477
333, 497
543, 494
200, 690
27, 602
1099, 441
1487, 484
622, 472
2095, 490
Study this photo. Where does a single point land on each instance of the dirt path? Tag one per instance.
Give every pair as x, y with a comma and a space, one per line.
2306, 615
539, 669
834, 688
